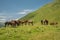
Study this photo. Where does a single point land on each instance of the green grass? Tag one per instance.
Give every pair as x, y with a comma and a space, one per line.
35, 32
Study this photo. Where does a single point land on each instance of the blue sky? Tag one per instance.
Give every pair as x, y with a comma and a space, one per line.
14, 9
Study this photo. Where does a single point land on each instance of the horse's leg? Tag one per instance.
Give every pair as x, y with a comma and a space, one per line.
5, 25
14, 25
41, 22
32, 23
25, 23
22, 23
46, 22
18, 24
28, 23
10, 24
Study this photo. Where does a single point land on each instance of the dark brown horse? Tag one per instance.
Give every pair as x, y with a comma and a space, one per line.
7, 23
12, 23
17, 22
42, 22
53, 23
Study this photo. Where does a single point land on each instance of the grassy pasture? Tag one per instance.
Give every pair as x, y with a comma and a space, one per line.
26, 32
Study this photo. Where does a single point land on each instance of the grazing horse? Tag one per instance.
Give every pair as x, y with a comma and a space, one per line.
23, 22
7, 23
12, 23
30, 22
17, 22
53, 23
44, 22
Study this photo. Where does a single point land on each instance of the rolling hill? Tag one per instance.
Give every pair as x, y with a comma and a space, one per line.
50, 11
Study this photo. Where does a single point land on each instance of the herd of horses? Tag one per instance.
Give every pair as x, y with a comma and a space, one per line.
15, 23
18, 22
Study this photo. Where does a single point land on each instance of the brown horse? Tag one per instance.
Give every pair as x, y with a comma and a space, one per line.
53, 23
30, 22
12, 23
7, 23
17, 22
25, 22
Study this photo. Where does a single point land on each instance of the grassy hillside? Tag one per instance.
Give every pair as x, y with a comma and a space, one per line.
49, 11
36, 32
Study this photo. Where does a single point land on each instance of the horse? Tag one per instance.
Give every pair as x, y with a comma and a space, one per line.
53, 23
17, 22
25, 22
44, 22
7, 23
30, 22
12, 23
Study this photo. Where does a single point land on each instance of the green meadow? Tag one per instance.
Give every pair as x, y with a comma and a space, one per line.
50, 11
26, 32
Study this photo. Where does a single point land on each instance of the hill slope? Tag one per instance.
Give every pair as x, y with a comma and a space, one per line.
49, 11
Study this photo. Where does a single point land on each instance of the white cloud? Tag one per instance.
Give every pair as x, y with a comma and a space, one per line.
2, 17
5, 18
2, 20
25, 11
22, 13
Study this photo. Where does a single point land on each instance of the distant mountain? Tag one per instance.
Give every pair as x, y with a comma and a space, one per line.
50, 11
